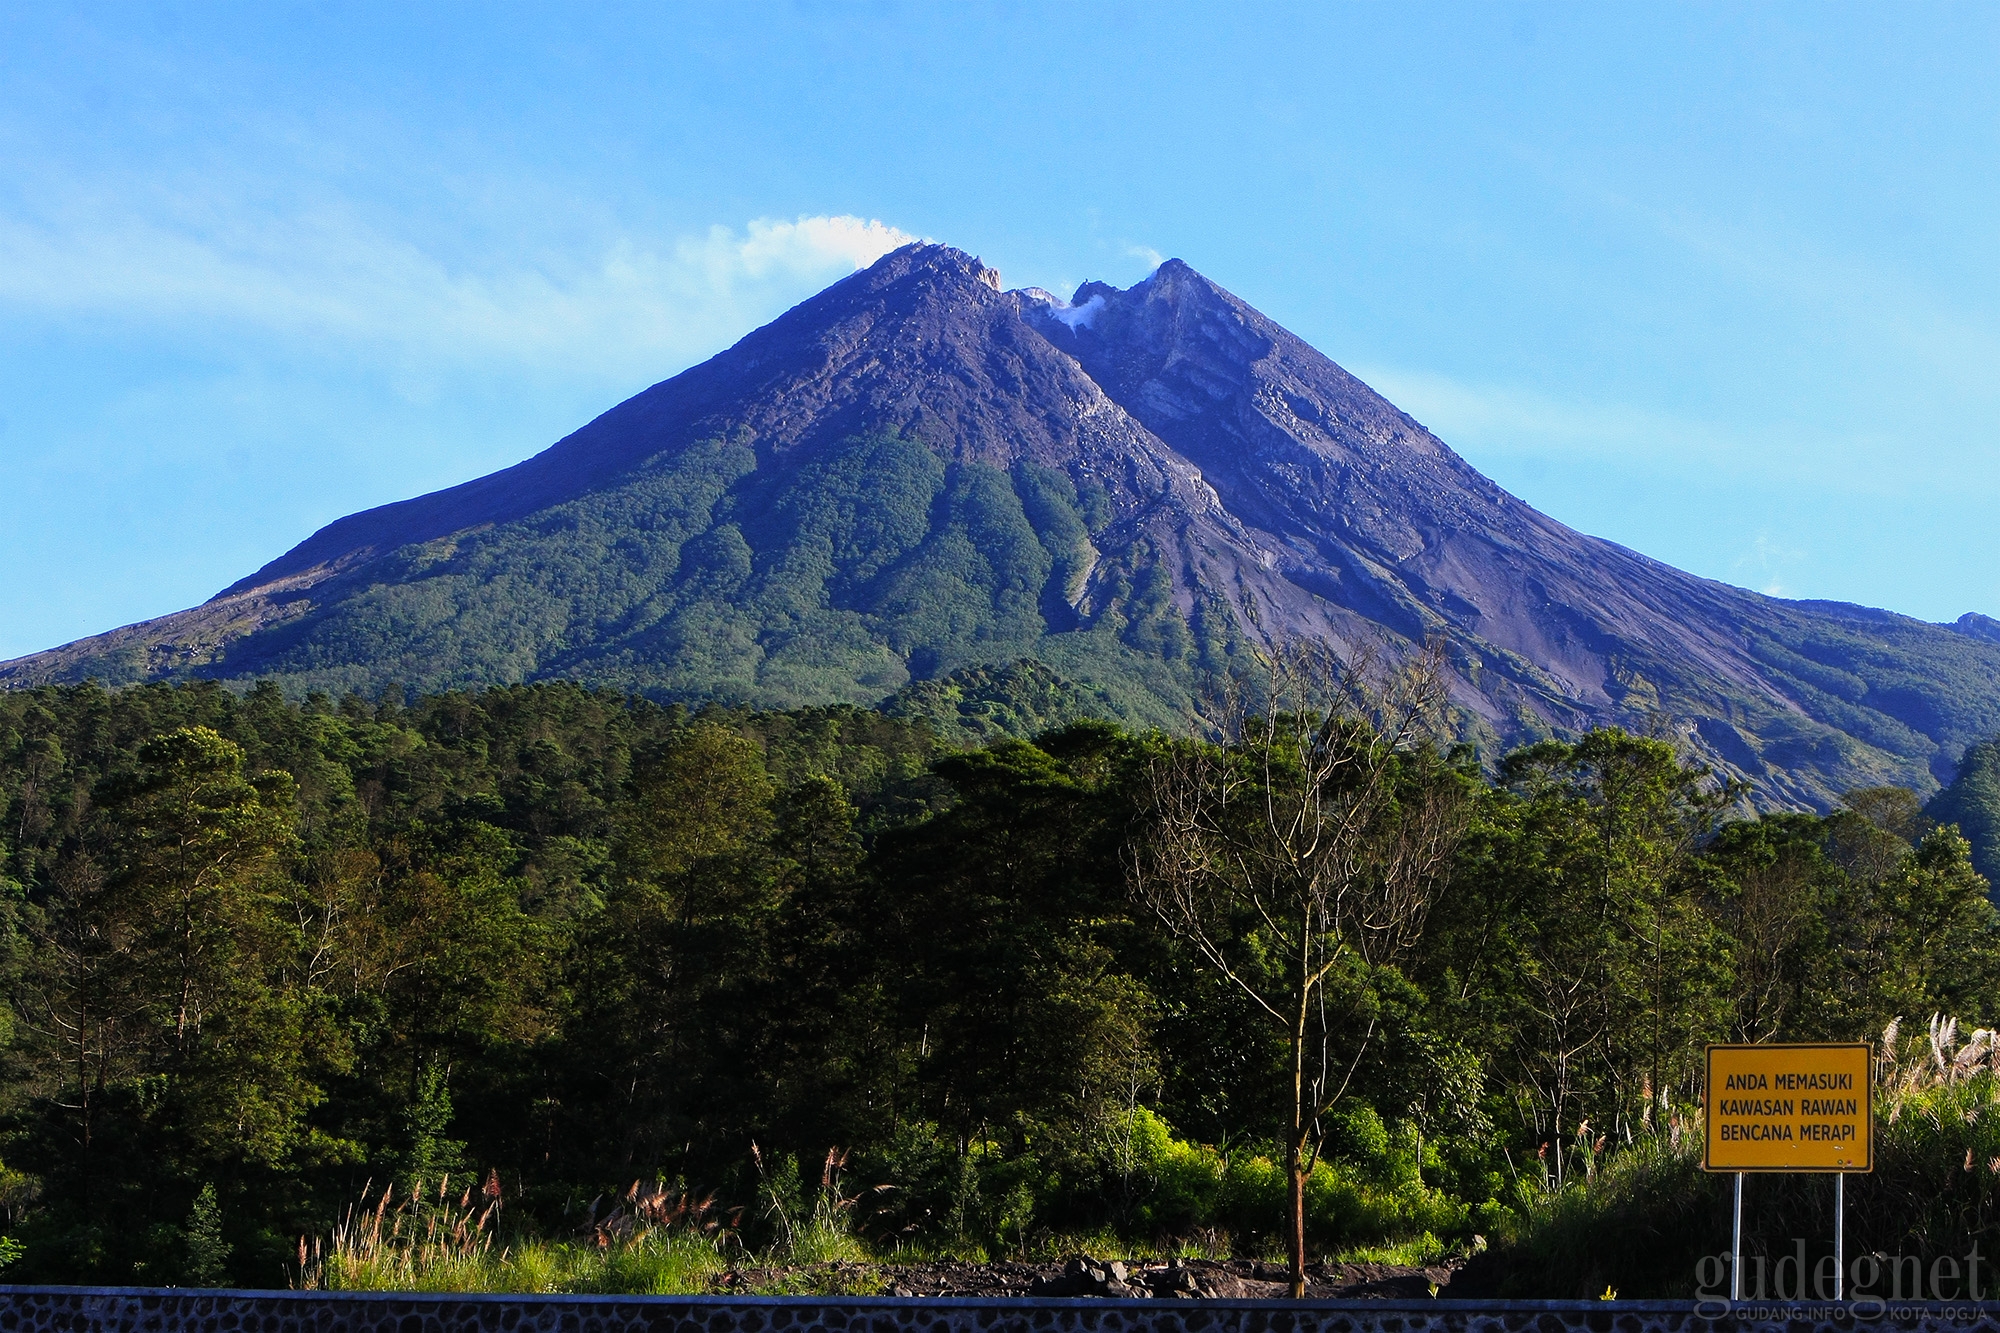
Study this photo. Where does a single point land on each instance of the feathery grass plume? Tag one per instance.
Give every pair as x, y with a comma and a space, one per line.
425, 1242
827, 1234
651, 1239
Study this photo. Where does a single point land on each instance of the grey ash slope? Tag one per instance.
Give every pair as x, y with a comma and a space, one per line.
1360, 505
916, 472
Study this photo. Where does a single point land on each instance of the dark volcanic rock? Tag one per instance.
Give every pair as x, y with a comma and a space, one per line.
1094, 1279
917, 473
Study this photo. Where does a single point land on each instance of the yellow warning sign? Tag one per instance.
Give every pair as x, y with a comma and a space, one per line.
1789, 1108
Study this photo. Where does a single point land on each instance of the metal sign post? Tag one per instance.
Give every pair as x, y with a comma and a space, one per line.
1839, 1236
1736, 1245
1799, 1108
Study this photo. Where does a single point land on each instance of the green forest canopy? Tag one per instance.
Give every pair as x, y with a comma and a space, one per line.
258, 952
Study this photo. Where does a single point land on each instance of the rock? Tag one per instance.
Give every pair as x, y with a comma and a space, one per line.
1084, 1276
1228, 1286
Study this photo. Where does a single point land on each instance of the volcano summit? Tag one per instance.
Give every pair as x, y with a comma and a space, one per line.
918, 472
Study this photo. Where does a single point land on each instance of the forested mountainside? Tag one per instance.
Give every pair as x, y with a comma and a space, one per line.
552, 945
917, 473
1972, 802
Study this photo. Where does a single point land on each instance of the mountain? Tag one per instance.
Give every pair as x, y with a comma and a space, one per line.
917, 478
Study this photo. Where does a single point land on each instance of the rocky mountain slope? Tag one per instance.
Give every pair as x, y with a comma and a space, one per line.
918, 473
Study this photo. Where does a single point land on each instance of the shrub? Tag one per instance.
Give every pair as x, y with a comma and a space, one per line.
1639, 1219
1381, 1201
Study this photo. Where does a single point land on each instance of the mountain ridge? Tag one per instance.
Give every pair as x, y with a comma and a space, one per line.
917, 472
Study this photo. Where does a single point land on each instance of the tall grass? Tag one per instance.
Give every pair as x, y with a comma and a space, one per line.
1641, 1216
652, 1240
1936, 1184
1637, 1218
817, 1233
416, 1242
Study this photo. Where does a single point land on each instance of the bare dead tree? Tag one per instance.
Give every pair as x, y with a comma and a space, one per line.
1320, 827
1569, 995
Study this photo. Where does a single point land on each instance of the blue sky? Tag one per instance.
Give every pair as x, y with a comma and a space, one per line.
1717, 283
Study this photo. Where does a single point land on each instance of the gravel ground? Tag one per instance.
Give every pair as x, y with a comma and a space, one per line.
1194, 1279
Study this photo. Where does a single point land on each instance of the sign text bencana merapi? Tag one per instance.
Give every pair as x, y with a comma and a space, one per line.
1874, 1281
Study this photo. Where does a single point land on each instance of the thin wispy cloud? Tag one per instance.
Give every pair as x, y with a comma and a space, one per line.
634, 303
1872, 303
1491, 423
1877, 307
1526, 420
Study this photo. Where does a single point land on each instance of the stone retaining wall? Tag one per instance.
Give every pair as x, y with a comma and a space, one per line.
144, 1310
